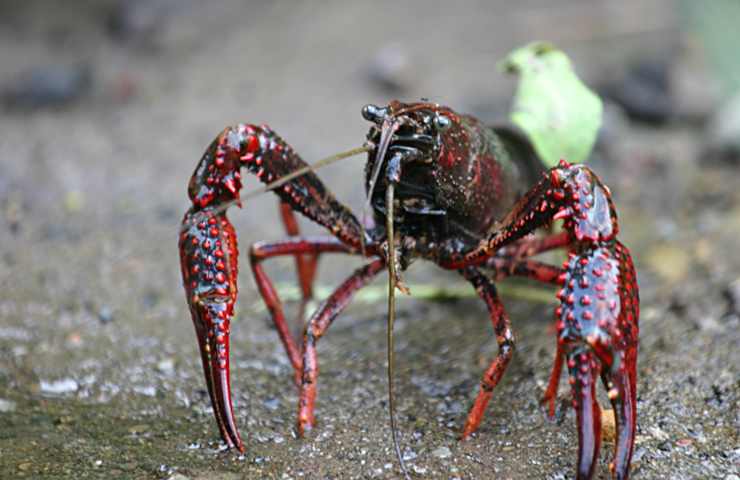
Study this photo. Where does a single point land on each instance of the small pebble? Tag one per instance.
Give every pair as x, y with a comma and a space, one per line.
419, 470
272, 404
7, 406
178, 476
166, 366
409, 454
684, 442
138, 429
148, 390
442, 452
105, 314
58, 387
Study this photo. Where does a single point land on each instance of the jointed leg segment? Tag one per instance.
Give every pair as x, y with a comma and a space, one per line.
259, 252
504, 338
305, 263
315, 329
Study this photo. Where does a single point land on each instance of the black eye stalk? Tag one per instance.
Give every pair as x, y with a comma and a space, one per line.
441, 123
374, 113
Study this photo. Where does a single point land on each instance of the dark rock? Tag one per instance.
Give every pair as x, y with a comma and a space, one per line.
47, 86
105, 314
645, 91
140, 21
732, 295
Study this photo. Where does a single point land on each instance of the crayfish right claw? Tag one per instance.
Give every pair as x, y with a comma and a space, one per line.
208, 254
213, 341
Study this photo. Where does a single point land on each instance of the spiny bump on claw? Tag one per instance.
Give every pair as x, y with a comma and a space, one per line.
554, 178
252, 144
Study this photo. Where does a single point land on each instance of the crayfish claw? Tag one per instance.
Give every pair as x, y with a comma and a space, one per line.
213, 340
208, 254
621, 386
583, 370
597, 324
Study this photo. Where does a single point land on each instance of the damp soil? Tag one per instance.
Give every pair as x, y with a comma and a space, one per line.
99, 369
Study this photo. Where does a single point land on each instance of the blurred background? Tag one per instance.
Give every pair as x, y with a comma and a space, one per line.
105, 109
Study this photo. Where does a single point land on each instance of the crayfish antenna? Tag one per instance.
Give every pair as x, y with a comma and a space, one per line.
386, 135
308, 168
287, 178
392, 285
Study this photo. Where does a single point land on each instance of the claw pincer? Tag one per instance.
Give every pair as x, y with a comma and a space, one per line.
208, 256
208, 246
597, 319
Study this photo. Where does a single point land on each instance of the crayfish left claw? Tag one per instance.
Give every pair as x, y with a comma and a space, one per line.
622, 388
583, 370
597, 324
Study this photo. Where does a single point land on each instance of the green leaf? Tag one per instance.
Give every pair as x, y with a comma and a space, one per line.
558, 113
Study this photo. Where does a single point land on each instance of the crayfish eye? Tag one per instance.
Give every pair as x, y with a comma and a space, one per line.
441, 123
373, 113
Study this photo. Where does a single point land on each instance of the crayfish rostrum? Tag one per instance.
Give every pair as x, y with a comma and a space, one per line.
442, 187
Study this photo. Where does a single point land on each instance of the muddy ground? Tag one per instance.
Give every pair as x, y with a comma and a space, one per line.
99, 371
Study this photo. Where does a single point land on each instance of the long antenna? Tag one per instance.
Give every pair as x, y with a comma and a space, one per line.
308, 168
290, 176
386, 135
392, 280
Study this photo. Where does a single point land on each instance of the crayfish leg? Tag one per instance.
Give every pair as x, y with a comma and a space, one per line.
505, 339
306, 264
316, 327
551, 394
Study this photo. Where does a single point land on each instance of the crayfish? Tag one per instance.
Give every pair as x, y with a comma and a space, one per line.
443, 187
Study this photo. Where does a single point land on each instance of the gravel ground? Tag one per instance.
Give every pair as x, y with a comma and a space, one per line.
99, 371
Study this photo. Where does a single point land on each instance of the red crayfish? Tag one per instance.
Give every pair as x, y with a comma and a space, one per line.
443, 187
